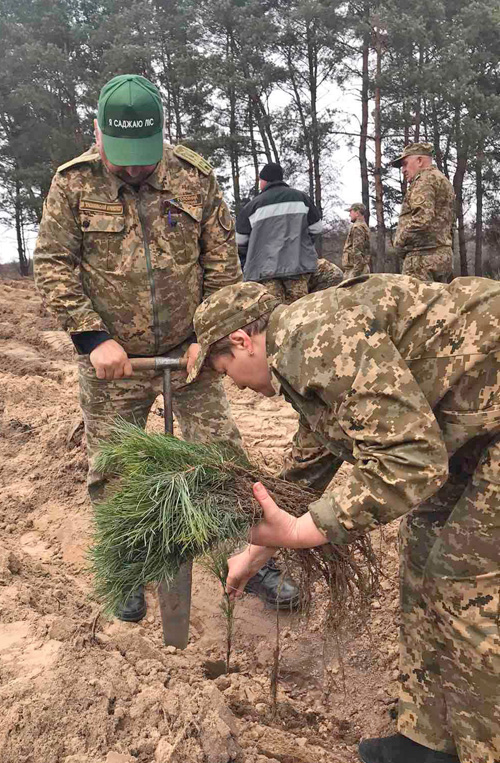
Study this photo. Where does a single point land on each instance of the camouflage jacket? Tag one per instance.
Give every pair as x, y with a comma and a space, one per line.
427, 215
134, 263
393, 375
357, 246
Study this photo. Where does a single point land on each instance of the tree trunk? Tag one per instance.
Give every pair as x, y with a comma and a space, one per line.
253, 147
303, 122
379, 191
266, 125
458, 185
312, 58
365, 84
478, 264
262, 129
436, 136
418, 106
233, 127
24, 263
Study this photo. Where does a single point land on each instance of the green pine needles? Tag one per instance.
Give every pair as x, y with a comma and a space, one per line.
169, 501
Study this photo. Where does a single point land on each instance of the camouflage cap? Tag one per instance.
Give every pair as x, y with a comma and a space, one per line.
229, 309
413, 149
357, 207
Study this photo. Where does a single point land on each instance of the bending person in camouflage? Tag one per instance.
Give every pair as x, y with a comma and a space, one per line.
356, 253
424, 235
135, 233
326, 275
402, 379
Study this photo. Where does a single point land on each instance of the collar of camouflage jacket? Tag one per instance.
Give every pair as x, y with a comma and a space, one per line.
421, 172
272, 348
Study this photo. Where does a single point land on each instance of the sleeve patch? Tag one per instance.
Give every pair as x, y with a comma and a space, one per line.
225, 218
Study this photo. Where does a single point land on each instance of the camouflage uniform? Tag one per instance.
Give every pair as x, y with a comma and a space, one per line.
136, 264
424, 235
356, 253
326, 275
288, 290
402, 379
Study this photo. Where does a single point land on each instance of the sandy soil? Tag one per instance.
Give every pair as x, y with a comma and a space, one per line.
77, 688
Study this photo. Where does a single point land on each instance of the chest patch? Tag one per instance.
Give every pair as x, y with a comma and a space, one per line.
89, 206
191, 199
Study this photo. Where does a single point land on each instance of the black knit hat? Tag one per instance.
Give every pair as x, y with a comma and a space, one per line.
271, 172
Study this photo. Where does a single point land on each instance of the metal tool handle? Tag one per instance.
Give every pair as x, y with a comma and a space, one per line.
158, 364
175, 599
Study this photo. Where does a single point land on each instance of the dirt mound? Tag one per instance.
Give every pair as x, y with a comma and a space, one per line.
76, 688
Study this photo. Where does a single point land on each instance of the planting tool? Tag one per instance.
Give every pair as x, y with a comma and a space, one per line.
174, 599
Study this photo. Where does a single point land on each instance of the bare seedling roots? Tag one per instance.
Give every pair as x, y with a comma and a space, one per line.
177, 500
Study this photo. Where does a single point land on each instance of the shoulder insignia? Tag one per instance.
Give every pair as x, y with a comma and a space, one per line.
82, 159
183, 152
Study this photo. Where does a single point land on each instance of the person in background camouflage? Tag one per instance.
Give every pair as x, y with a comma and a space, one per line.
424, 235
135, 233
401, 379
327, 274
356, 253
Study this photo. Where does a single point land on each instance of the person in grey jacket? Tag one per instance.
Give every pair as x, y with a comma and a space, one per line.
275, 234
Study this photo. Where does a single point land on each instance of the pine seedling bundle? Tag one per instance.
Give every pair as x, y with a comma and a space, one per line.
171, 500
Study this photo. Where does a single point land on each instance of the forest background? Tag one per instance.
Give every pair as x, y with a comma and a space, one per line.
247, 82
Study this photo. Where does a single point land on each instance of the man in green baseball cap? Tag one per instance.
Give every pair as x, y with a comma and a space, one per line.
424, 234
130, 118
356, 253
135, 233
129, 127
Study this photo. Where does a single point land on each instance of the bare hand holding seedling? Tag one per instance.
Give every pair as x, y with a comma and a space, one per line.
280, 529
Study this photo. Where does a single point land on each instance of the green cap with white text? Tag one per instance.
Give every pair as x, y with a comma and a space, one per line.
130, 117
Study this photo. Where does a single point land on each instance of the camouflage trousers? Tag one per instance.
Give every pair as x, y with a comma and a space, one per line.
361, 268
288, 290
450, 602
201, 409
450, 598
437, 266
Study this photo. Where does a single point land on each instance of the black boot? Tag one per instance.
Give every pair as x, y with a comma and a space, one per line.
273, 587
134, 608
401, 749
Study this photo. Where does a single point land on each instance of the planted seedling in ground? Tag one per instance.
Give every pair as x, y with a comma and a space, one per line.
216, 563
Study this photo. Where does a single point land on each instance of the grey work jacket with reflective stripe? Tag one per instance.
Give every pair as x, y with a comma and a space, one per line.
275, 234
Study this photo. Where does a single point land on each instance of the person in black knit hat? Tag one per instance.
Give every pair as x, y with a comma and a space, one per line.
275, 234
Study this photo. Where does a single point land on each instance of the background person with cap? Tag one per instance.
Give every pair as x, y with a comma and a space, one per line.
424, 236
401, 379
356, 253
135, 233
275, 235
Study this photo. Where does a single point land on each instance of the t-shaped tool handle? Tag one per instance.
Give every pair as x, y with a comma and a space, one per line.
158, 364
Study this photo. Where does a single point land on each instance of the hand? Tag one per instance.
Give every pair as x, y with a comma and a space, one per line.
277, 527
243, 566
280, 529
110, 361
190, 355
